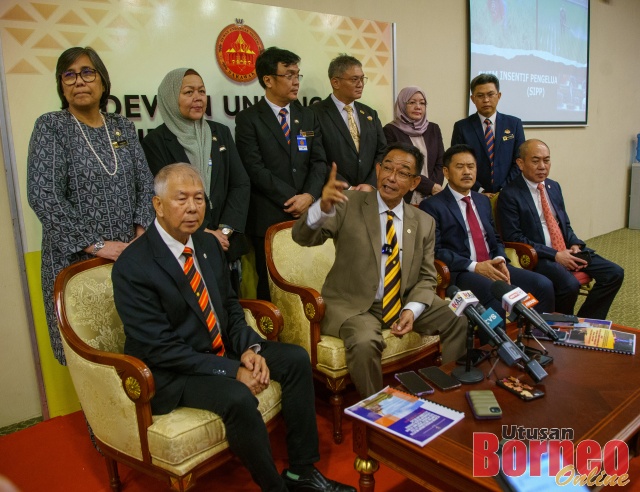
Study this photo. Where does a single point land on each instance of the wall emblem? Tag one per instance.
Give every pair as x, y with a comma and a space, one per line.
237, 48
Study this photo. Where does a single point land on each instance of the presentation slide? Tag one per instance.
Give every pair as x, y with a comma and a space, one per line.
539, 50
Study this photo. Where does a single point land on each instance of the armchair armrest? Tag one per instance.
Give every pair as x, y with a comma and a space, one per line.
527, 255
267, 316
443, 278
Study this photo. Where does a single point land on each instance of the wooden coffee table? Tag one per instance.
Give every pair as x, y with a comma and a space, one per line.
597, 394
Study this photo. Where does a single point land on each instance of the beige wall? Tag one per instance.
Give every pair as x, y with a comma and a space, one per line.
592, 163
18, 384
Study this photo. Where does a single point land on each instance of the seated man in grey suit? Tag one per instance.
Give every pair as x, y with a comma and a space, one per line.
182, 318
351, 132
379, 279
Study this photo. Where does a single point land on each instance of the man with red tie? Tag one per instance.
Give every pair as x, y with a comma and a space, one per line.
467, 241
531, 210
182, 318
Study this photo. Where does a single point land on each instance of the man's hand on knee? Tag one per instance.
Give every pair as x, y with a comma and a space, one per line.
404, 324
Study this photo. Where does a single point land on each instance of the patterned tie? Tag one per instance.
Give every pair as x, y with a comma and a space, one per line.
391, 301
285, 127
200, 290
476, 232
353, 128
489, 141
557, 241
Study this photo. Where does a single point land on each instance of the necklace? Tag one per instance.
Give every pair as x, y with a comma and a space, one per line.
115, 158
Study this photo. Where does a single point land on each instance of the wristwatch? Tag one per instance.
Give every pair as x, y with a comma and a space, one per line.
97, 247
227, 231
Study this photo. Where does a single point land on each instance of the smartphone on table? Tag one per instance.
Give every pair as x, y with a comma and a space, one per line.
414, 383
439, 378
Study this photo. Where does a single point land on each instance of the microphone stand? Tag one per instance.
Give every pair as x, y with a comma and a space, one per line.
525, 327
467, 374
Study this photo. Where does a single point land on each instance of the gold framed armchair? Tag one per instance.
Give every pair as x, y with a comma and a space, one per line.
115, 389
296, 276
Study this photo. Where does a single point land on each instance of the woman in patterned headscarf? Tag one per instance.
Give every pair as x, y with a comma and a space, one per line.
410, 125
87, 178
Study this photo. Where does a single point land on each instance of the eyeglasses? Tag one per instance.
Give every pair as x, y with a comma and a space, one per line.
482, 97
288, 76
86, 74
417, 103
355, 80
386, 169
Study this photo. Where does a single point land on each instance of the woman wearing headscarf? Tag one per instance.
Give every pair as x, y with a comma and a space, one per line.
185, 136
87, 179
410, 125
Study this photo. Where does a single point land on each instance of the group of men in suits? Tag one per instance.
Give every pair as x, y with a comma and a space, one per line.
287, 156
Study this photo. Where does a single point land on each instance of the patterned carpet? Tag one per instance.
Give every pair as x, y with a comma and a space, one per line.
622, 247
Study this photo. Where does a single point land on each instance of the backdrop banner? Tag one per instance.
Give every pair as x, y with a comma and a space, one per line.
139, 42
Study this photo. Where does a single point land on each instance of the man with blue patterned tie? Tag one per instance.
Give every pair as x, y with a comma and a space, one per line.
280, 145
383, 275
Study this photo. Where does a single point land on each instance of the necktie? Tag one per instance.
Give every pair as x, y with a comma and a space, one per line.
285, 127
353, 128
489, 141
476, 232
557, 241
200, 290
391, 301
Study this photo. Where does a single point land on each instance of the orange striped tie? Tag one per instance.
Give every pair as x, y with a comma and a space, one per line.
200, 290
391, 301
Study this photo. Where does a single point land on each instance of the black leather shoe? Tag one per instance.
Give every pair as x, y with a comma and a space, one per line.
314, 481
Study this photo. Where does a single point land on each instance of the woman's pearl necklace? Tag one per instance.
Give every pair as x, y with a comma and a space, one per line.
115, 157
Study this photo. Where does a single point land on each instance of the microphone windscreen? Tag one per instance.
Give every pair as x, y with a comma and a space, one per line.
499, 288
452, 290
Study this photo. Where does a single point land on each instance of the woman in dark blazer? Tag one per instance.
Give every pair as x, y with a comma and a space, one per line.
412, 126
185, 136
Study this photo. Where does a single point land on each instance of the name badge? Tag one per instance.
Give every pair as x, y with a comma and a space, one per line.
118, 144
302, 143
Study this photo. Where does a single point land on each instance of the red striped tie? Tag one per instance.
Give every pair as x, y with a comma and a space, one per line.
200, 290
489, 140
283, 123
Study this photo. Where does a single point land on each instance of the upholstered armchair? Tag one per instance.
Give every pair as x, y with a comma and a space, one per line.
296, 275
115, 389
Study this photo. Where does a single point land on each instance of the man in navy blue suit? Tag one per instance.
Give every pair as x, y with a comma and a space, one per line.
467, 241
522, 218
496, 150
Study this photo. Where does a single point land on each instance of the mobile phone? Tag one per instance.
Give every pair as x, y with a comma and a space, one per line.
441, 379
477, 356
484, 405
520, 389
414, 383
583, 255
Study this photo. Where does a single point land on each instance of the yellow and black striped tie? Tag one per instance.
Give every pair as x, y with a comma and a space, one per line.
391, 301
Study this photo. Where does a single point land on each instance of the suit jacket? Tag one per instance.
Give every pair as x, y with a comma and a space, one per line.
509, 135
230, 187
278, 170
353, 167
519, 219
163, 323
352, 282
452, 241
435, 150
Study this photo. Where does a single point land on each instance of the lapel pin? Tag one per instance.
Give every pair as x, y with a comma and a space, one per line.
507, 131
369, 118
214, 138
361, 112
118, 133
296, 121
205, 255
408, 231
223, 148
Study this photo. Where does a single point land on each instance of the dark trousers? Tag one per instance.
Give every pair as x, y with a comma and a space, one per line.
246, 431
261, 268
608, 277
535, 284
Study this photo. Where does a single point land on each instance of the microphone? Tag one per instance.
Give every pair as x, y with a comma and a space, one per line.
514, 300
465, 302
